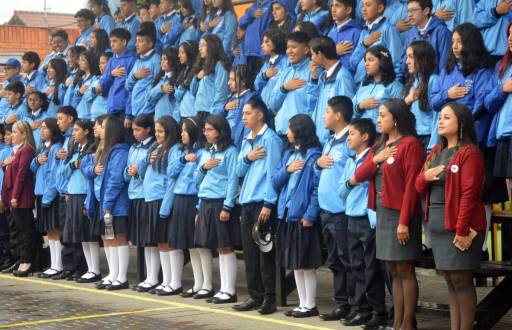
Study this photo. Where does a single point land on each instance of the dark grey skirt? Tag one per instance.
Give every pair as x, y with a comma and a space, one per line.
446, 255
120, 226
47, 217
182, 225
75, 219
280, 243
303, 248
211, 233
138, 214
153, 229
502, 167
387, 245
92, 227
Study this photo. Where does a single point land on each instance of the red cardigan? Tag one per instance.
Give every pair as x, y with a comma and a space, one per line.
464, 206
18, 180
398, 191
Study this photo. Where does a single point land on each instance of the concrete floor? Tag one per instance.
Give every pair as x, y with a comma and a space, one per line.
32, 303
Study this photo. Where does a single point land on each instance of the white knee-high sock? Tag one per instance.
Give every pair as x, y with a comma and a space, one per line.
222, 273
230, 273
123, 252
155, 266
176, 258
51, 245
147, 261
310, 285
114, 263
58, 255
87, 255
488, 215
94, 248
206, 265
166, 268
195, 261
301, 286
107, 255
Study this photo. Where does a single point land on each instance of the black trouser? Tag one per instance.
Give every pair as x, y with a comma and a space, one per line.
6, 257
254, 64
364, 267
73, 259
260, 268
334, 231
14, 236
24, 221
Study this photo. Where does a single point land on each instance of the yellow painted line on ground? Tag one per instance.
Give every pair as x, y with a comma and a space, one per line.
85, 317
267, 319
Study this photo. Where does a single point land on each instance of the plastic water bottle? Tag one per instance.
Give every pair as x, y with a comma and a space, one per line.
109, 226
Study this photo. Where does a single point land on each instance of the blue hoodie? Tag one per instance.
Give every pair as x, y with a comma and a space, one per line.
396, 11
225, 29
4, 104
87, 168
84, 102
492, 26
37, 80
339, 82
257, 175
183, 172
155, 182
137, 155
285, 104
234, 116
119, 99
46, 174
220, 182
77, 182
298, 192
132, 25
62, 182
191, 32
438, 35
498, 101
463, 10
138, 88
264, 85
70, 89
424, 118
212, 91
185, 98
349, 31
172, 37
255, 27
390, 38
84, 39
164, 104
316, 17
105, 22
98, 102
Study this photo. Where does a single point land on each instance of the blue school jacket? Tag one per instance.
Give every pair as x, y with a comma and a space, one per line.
36, 79
234, 117
438, 35
191, 33
172, 36
113, 191
302, 201
105, 22
263, 85
119, 99
396, 10
30, 118
183, 172
339, 82
155, 182
5, 152
137, 154
226, 29
337, 149
77, 182
285, 104
62, 182
255, 27
424, 119
212, 91
220, 182
463, 10
70, 89
131, 24
317, 17
378, 91
84, 101
500, 103
492, 26
140, 87
54, 105
20, 110
355, 198
349, 31
390, 39
46, 174
84, 39
87, 168
185, 99
474, 100
98, 104
4, 104
164, 104
257, 184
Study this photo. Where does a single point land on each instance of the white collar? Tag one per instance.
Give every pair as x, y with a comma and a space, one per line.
329, 72
422, 31
375, 22
218, 12
341, 133
147, 54
314, 11
47, 143
260, 132
172, 12
30, 75
146, 141
168, 74
338, 26
243, 93
36, 113
273, 59
128, 18
362, 154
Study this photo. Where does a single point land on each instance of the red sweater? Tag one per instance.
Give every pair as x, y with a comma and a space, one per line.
398, 191
18, 180
464, 207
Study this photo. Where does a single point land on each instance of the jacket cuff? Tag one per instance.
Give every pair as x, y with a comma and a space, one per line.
226, 208
183, 160
72, 166
284, 91
202, 170
269, 205
247, 160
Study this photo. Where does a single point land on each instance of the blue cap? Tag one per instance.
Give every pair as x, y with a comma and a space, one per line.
12, 62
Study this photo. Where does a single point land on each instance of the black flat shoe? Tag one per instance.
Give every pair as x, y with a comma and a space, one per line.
206, 295
10, 269
375, 323
349, 316
63, 275
45, 275
102, 284
143, 289
289, 313
248, 305
116, 285
359, 319
155, 290
268, 307
232, 299
75, 276
23, 273
172, 292
306, 312
189, 293
335, 315
93, 279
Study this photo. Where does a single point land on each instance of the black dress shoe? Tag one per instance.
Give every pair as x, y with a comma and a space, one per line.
375, 323
11, 268
205, 295
335, 315
23, 273
62, 276
248, 305
359, 319
116, 285
306, 312
102, 284
349, 316
189, 293
268, 307
45, 275
143, 289
232, 298
171, 292
289, 313
93, 279
75, 276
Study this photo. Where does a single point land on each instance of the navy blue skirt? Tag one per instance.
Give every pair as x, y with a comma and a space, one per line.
75, 219
137, 214
182, 225
47, 217
211, 233
302, 248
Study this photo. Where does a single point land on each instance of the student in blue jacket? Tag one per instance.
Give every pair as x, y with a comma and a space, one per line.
89, 71
223, 22
492, 18
184, 90
298, 233
130, 21
368, 287
85, 21
112, 195
419, 81
335, 80
397, 15
217, 227
17, 108
113, 80
100, 43
259, 156
44, 167
188, 22
332, 208
161, 95
211, 76
293, 91
274, 48
314, 11
168, 25
379, 84
454, 12
73, 56
103, 15
55, 88
283, 16
345, 30
34, 79
430, 28
37, 105
99, 103
376, 31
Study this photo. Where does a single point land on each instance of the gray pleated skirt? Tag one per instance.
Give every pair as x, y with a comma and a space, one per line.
75, 219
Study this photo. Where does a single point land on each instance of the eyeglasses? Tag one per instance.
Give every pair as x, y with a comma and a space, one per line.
412, 10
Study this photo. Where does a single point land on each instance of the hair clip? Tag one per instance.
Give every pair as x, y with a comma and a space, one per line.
193, 122
384, 54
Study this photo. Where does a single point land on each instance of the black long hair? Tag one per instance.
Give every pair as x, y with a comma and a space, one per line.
114, 134
191, 48
172, 136
56, 134
191, 125
61, 72
385, 65
92, 60
225, 7
174, 64
221, 125
102, 42
474, 54
215, 53
42, 97
304, 131
404, 120
145, 121
86, 125
425, 60
240, 71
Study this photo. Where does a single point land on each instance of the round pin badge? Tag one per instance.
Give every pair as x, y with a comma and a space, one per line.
454, 168
390, 160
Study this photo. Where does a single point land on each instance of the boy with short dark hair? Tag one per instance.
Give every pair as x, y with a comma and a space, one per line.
59, 41
33, 79
130, 21
85, 21
168, 25
17, 110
